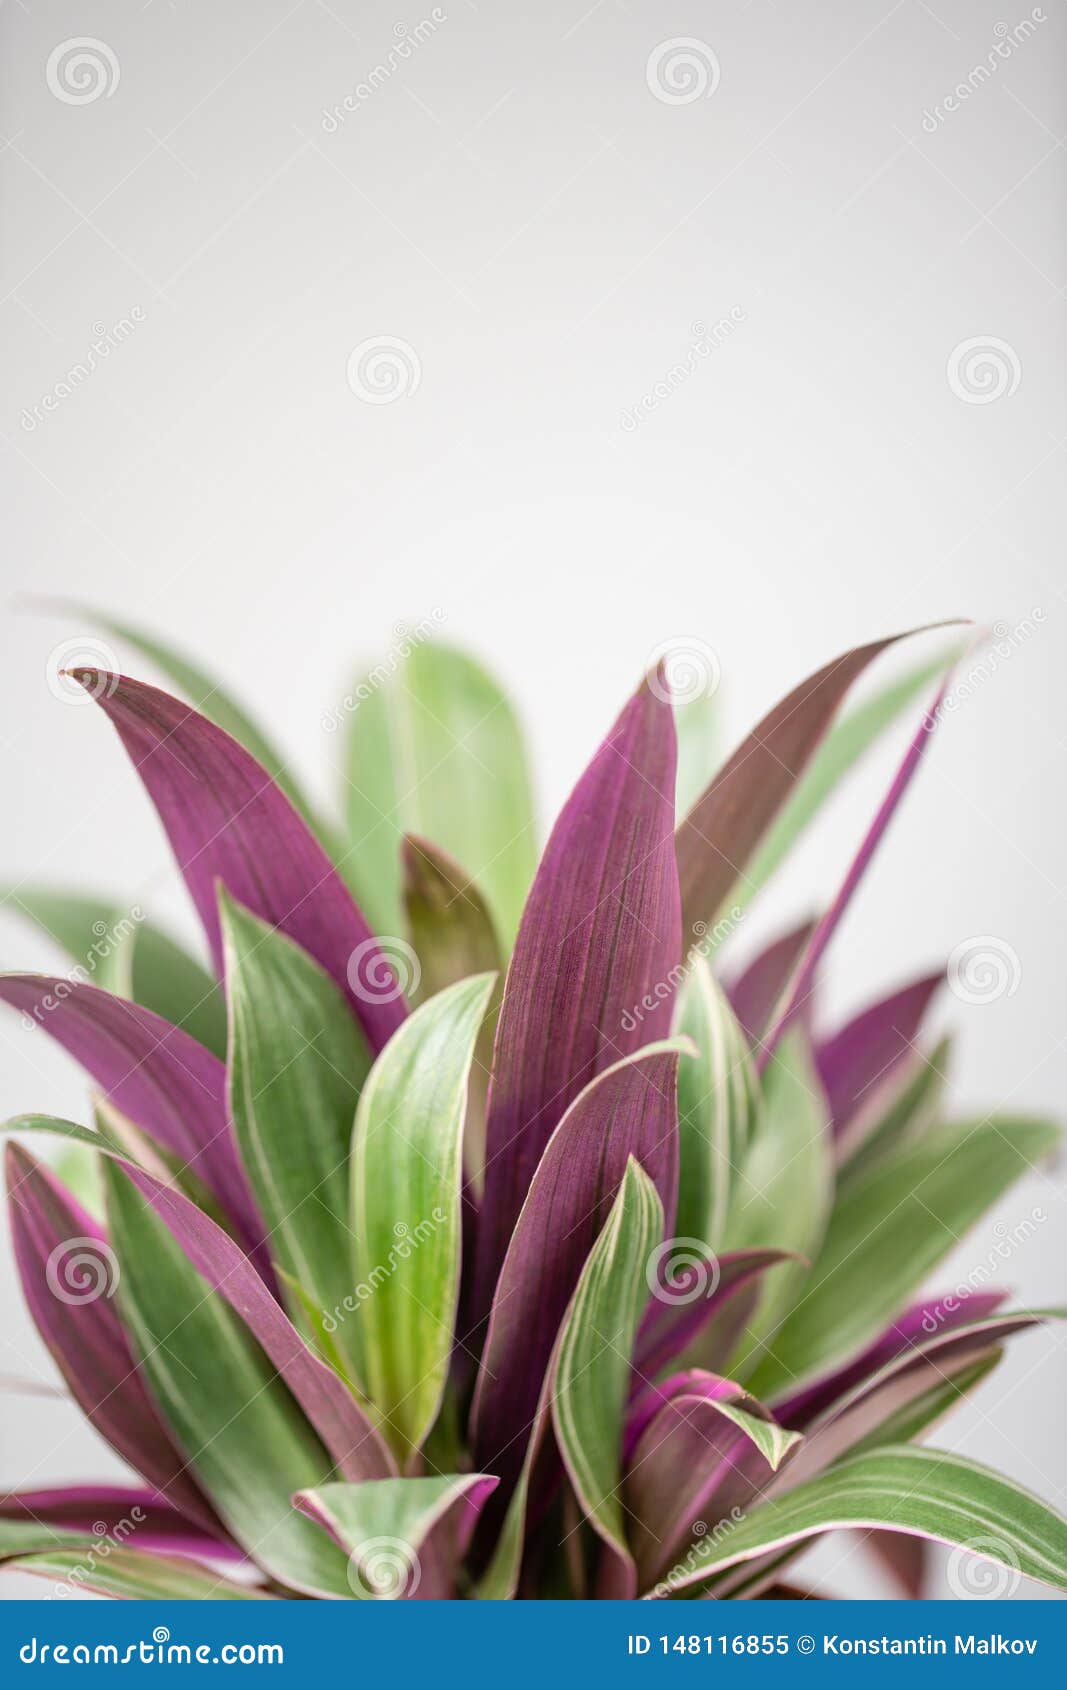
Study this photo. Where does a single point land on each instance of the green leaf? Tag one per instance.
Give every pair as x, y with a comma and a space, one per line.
448, 920
839, 752
406, 1189
297, 1065
240, 1430
773, 1441
900, 1488
594, 1366
717, 1103
782, 1199
923, 1412
132, 1575
391, 1530
435, 749
205, 693
125, 953
696, 722
888, 1230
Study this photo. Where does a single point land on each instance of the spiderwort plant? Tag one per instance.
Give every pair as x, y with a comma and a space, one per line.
466, 1230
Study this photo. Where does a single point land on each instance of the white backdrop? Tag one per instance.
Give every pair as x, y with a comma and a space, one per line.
550, 208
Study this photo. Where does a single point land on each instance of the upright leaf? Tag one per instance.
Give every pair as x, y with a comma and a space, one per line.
448, 919
911, 1108
593, 1368
757, 989
297, 1065
595, 962
720, 835
798, 989
406, 1189
717, 1098
785, 1191
628, 1111
847, 741
435, 749
889, 1230
227, 820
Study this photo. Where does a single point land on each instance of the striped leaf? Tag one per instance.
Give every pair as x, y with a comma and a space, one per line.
717, 1101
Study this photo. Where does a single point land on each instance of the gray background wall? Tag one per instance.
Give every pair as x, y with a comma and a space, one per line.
875, 442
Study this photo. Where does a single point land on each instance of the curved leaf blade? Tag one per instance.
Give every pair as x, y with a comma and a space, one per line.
228, 821
593, 1368
297, 1065
407, 1151
404, 1538
927, 1493
595, 962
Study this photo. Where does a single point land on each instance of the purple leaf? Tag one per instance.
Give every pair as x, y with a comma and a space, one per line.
757, 989
912, 1330
168, 1085
798, 990
600, 933
900, 1381
630, 1110
721, 831
228, 820
62, 1257
676, 1318
854, 1062
121, 1513
691, 1468
329, 1405
647, 1402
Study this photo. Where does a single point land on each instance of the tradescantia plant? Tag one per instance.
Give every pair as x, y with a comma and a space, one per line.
467, 1230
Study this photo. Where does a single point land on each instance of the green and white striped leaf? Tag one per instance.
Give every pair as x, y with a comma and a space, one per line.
593, 1370
435, 749
80, 1562
718, 1097
696, 724
783, 1197
407, 1153
397, 1533
298, 1061
226, 1407
888, 1230
929, 1493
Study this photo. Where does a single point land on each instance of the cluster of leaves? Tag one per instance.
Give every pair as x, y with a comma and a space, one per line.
583, 1273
